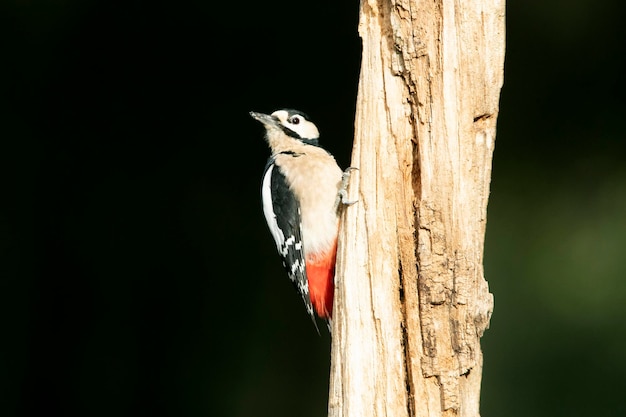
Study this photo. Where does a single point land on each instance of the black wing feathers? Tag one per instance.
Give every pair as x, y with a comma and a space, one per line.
287, 211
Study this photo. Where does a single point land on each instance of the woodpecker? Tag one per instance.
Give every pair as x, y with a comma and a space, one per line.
302, 191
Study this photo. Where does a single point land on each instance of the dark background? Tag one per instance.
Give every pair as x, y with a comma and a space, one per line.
137, 274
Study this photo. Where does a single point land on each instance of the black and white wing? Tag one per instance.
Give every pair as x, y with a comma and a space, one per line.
282, 213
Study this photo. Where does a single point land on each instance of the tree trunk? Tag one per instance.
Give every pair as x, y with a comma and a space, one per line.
411, 301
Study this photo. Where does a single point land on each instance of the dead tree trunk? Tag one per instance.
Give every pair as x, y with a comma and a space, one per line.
411, 301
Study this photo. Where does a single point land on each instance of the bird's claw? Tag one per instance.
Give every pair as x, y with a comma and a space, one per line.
342, 195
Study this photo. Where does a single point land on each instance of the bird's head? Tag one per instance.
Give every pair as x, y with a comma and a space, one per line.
292, 123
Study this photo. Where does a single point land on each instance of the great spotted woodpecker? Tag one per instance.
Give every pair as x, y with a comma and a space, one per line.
303, 189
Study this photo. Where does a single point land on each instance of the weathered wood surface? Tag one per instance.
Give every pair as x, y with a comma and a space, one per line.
411, 301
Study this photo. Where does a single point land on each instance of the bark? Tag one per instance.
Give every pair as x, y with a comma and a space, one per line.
411, 301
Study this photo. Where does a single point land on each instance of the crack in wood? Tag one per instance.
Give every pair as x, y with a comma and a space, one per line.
482, 117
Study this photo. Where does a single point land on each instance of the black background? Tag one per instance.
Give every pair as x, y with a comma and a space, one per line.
137, 274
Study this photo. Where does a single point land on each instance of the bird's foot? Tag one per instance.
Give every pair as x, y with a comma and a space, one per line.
342, 195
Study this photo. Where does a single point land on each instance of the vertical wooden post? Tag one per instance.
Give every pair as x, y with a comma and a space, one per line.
411, 301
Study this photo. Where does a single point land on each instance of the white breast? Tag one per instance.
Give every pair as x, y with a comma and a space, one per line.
315, 178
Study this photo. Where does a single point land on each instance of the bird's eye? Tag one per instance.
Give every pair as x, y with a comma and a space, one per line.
294, 120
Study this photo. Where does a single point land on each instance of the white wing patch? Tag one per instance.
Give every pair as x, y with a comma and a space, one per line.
290, 248
268, 210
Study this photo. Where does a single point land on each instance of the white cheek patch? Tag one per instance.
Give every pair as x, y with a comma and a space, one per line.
306, 130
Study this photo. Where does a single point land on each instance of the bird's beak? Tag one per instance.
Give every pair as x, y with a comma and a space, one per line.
266, 119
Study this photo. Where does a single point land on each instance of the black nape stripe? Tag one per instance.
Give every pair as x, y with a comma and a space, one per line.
314, 142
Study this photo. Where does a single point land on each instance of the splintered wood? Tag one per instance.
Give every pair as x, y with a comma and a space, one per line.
411, 301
